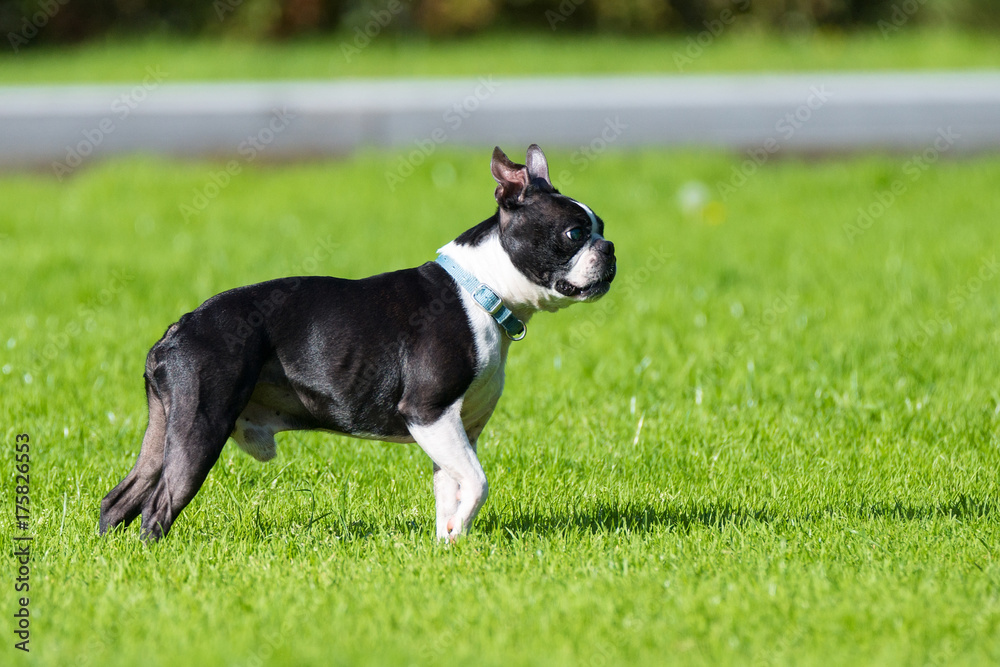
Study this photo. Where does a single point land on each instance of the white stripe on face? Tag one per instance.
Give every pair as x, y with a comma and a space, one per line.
594, 234
593, 218
584, 269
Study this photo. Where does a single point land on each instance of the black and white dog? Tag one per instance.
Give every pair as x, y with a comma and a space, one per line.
412, 355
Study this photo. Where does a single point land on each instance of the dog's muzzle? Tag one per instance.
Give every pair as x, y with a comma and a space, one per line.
599, 287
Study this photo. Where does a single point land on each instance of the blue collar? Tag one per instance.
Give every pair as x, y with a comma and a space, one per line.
486, 298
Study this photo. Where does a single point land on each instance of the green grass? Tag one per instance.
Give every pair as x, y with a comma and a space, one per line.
815, 480
562, 52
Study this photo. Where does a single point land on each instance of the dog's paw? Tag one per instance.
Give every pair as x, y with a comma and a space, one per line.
451, 529
454, 528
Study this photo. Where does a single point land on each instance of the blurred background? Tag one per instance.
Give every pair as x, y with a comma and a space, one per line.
78, 20
307, 78
415, 93
773, 442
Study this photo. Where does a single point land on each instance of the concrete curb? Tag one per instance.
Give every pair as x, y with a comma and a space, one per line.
62, 125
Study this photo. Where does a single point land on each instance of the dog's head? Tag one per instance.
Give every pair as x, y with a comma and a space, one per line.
556, 242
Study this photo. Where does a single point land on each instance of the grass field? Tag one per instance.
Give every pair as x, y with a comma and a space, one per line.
774, 442
733, 50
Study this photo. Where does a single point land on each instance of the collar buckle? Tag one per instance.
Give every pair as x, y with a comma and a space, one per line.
488, 299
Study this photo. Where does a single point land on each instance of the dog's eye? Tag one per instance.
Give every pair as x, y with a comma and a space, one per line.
575, 234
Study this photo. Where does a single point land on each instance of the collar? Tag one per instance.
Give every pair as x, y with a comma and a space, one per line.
486, 298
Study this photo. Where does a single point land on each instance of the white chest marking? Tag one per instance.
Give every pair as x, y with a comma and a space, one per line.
491, 355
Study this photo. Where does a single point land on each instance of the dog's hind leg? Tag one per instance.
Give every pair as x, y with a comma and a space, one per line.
204, 405
123, 503
192, 448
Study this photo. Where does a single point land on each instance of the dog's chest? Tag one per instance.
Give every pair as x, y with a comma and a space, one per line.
491, 352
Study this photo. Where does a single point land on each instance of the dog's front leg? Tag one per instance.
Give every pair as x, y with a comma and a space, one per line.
446, 495
460, 486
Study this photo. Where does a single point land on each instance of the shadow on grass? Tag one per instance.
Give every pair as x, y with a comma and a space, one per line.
631, 517
624, 517
962, 507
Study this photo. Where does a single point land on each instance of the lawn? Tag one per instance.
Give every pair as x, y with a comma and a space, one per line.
735, 49
774, 442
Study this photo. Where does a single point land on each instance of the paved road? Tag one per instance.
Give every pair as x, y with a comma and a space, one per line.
66, 125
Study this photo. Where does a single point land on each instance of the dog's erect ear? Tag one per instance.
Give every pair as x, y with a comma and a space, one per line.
511, 178
537, 165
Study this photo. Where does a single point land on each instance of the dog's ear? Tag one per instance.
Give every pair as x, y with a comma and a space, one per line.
538, 167
512, 179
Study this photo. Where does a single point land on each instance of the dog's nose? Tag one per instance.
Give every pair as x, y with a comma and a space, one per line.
605, 247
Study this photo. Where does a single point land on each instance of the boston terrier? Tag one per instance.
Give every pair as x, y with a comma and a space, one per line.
415, 355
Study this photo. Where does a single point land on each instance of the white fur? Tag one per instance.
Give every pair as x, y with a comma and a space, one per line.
587, 266
446, 495
593, 218
491, 355
460, 485
491, 265
459, 482
587, 263
448, 445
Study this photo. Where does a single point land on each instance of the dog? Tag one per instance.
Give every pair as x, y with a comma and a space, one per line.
415, 355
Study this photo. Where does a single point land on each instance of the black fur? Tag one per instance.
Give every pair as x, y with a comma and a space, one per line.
406, 360
539, 250
542, 251
368, 357
480, 232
